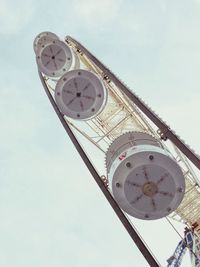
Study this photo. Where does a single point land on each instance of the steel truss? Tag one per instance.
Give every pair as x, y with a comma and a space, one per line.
124, 112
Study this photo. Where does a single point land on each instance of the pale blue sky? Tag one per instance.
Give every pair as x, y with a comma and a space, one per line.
52, 213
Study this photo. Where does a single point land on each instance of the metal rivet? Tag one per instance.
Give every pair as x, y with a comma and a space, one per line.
151, 157
128, 164
117, 184
180, 190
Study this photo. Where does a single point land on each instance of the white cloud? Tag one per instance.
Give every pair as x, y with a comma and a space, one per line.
14, 15
97, 12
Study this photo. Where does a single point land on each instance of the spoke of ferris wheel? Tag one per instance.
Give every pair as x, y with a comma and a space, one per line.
164, 129
128, 226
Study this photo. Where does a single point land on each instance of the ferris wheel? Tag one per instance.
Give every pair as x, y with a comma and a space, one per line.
148, 173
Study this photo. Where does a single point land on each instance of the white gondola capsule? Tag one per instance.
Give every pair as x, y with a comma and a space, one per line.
146, 181
76, 62
54, 58
80, 94
42, 39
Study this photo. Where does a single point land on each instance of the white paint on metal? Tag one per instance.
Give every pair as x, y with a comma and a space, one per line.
42, 39
121, 115
54, 58
80, 94
146, 181
126, 141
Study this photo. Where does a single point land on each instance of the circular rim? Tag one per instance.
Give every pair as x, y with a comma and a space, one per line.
139, 158
76, 61
128, 140
43, 38
96, 92
62, 54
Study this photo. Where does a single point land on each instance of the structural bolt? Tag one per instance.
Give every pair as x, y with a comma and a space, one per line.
180, 189
128, 164
151, 157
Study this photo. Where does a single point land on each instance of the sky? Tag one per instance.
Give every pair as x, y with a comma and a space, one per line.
52, 212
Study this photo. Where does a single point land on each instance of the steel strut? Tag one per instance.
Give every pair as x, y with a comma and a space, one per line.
128, 226
164, 129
